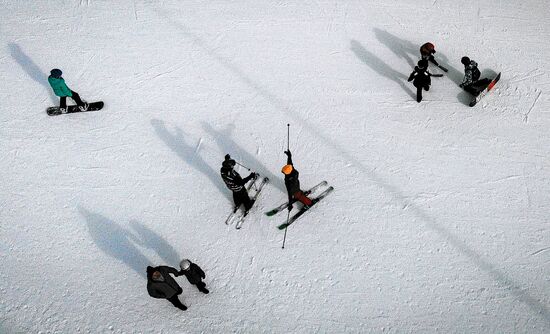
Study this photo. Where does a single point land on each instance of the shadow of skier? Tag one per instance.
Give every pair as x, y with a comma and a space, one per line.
381, 67
31, 69
226, 144
150, 239
176, 142
115, 241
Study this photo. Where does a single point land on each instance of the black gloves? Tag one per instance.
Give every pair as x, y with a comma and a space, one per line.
288, 154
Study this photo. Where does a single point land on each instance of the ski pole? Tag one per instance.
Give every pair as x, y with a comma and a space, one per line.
288, 136
284, 239
248, 169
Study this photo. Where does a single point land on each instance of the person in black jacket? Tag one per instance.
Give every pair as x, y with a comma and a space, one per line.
422, 78
292, 183
161, 285
194, 274
236, 184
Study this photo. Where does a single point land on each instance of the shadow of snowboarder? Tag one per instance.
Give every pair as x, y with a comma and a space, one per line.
31, 69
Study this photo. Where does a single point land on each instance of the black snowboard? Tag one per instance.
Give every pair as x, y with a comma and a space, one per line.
94, 106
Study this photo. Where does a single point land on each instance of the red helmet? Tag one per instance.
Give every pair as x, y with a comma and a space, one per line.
427, 48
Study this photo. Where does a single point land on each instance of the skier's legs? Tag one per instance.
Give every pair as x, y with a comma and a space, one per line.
299, 195
77, 99
177, 303
418, 93
63, 102
471, 89
237, 199
202, 287
427, 88
241, 197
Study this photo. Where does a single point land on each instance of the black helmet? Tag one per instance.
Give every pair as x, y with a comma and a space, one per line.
422, 63
228, 162
56, 73
465, 60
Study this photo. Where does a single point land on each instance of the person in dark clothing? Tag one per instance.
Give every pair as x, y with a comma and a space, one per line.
236, 184
422, 78
60, 89
161, 285
292, 183
194, 274
471, 82
427, 51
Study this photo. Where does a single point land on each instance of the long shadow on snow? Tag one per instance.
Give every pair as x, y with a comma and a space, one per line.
533, 303
176, 142
380, 67
228, 145
31, 69
150, 239
115, 241
411, 53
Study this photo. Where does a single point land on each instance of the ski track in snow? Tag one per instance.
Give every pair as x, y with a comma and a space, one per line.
439, 221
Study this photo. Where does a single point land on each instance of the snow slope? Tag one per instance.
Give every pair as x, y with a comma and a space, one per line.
440, 218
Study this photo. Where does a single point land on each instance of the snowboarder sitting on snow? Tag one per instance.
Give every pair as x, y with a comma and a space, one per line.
235, 183
194, 274
161, 285
293, 184
60, 89
471, 83
421, 78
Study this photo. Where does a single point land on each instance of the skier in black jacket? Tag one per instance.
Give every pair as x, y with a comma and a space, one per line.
292, 183
422, 78
236, 183
161, 285
471, 83
194, 274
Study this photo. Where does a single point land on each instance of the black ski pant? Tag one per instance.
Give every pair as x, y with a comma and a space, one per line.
177, 303
419, 92
202, 287
75, 97
241, 197
477, 87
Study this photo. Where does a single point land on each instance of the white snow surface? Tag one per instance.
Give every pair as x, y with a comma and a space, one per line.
439, 222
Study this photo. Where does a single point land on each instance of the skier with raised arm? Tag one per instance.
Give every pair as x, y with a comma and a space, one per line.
292, 184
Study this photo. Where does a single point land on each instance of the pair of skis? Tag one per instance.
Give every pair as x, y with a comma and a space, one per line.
258, 183
238, 215
304, 209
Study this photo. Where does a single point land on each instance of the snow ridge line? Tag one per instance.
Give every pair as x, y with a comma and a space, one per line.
525, 117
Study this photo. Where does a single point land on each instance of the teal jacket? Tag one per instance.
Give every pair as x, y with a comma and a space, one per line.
59, 87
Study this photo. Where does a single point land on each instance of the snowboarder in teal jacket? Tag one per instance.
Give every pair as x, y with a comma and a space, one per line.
60, 89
